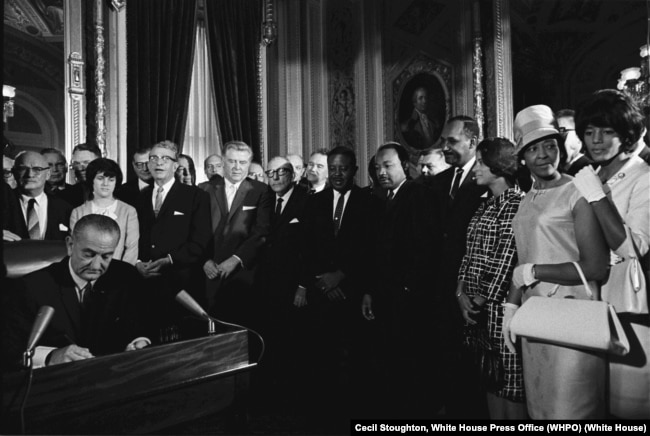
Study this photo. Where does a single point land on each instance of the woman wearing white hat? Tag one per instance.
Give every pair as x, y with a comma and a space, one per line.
554, 227
609, 123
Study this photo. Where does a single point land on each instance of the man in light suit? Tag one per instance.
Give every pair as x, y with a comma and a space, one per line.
241, 213
38, 215
93, 296
174, 231
461, 197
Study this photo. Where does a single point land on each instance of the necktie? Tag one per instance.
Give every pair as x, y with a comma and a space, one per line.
278, 207
85, 296
338, 213
159, 201
230, 195
456, 184
33, 225
391, 195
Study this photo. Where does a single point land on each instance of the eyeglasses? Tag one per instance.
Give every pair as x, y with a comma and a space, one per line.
214, 167
280, 172
165, 159
37, 170
6, 173
140, 165
58, 165
564, 130
81, 164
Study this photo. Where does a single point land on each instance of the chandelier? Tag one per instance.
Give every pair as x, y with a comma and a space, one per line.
635, 81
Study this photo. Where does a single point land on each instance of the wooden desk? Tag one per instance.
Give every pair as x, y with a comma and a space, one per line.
134, 392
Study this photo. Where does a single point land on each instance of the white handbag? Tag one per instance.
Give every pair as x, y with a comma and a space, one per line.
626, 287
585, 324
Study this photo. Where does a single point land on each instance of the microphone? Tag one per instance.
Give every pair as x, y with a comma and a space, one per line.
190, 304
43, 318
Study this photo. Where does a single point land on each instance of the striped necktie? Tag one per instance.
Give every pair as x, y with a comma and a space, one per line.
33, 226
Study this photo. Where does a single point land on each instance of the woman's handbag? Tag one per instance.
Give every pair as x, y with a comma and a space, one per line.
585, 324
626, 287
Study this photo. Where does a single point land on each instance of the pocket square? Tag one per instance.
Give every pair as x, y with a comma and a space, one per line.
63, 228
293, 221
485, 195
178, 213
249, 207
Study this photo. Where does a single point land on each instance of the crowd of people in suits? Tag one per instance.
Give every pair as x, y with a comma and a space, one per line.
373, 301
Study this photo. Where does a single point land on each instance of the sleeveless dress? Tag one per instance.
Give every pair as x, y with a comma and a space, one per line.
560, 382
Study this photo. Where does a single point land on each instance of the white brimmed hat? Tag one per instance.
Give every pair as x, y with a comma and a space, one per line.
532, 124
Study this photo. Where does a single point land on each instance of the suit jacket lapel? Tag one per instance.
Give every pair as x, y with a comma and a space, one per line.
169, 199
239, 197
220, 208
69, 295
350, 208
146, 205
20, 217
470, 177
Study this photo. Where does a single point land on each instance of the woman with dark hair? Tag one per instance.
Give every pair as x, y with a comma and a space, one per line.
186, 171
553, 228
610, 124
484, 277
102, 176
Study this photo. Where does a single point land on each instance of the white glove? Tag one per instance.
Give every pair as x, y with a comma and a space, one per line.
509, 337
523, 275
589, 184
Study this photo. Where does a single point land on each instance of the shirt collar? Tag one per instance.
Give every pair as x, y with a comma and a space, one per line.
39, 198
398, 187
468, 166
166, 187
78, 281
228, 184
286, 195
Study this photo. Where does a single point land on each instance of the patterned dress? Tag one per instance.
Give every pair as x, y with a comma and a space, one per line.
486, 270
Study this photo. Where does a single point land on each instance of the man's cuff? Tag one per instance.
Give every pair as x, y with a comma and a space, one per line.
40, 355
131, 345
171, 261
241, 263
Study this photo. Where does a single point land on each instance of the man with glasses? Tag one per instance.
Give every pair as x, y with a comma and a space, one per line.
241, 210
256, 172
82, 155
56, 184
317, 171
575, 160
174, 231
130, 191
8, 176
38, 215
277, 279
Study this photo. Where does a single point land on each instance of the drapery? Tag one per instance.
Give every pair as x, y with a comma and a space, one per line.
160, 50
234, 34
202, 131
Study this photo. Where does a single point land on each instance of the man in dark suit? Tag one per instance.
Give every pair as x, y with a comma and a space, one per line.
82, 155
38, 215
56, 184
575, 160
174, 231
129, 192
337, 233
276, 280
241, 214
461, 197
93, 298
403, 298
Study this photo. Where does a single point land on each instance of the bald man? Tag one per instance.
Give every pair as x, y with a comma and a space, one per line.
37, 215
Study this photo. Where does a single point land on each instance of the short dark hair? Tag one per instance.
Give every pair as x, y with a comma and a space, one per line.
470, 125
498, 154
99, 223
105, 166
344, 151
141, 150
51, 150
565, 113
191, 169
402, 154
615, 109
87, 147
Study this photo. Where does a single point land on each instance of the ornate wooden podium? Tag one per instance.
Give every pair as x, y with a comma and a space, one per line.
132, 392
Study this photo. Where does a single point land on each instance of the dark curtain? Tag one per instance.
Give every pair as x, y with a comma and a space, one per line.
160, 51
234, 34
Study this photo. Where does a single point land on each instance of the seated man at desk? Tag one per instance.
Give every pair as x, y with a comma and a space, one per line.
93, 296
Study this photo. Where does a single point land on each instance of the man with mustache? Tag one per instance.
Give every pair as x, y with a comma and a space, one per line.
460, 198
403, 297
